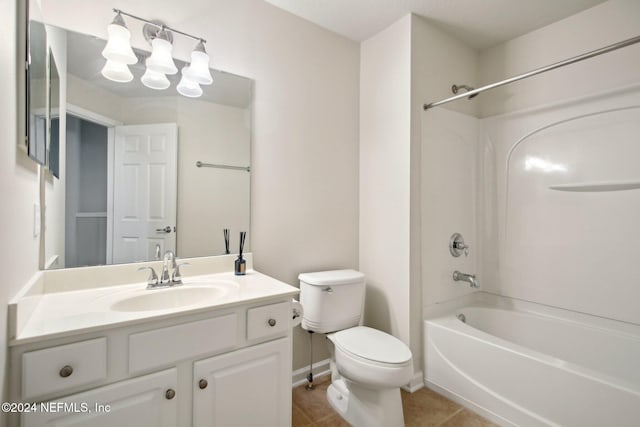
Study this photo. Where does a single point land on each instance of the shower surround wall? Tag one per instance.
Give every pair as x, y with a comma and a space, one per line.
506, 263
567, 188
554, 247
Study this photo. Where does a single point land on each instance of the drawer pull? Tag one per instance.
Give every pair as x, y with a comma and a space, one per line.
66, 371
203, 384
272, 322
170, 394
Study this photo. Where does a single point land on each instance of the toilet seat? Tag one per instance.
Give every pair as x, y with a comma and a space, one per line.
373, 346
372, 358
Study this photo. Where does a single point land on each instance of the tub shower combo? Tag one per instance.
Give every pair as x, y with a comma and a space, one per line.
546, 342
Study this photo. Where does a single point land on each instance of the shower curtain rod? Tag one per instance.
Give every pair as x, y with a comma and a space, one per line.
578, 58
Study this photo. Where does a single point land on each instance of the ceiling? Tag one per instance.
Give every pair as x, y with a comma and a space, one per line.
478, 23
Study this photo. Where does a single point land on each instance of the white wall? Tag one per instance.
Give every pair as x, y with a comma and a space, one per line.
385, 167
18, 177
602, 25
404, 66
449, 178
442, 169
304, 179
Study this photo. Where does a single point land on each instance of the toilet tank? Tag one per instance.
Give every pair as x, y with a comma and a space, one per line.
332, 300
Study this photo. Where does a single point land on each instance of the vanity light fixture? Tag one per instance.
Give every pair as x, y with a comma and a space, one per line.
119, 55
118, 48
118, 52
161, 60
198, 70
155, 80
117, 72
187, 86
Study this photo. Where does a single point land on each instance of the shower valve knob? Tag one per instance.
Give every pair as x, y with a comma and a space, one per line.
457, 246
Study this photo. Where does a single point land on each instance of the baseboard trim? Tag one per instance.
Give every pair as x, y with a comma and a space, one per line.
415, 383
320, 369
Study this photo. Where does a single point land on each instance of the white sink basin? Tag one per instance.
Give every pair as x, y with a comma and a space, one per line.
171, 298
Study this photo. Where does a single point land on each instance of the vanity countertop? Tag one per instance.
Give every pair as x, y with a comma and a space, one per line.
57, 314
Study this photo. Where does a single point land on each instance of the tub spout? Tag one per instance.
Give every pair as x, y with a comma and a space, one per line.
463, 277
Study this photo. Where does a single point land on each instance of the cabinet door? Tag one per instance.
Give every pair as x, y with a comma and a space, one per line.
139, 402
245, 388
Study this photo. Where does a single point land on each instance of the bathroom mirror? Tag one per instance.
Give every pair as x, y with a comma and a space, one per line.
36, 92
107, 183
53, 133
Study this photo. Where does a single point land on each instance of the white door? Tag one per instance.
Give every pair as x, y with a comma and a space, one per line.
144, 191
245, 388
141, 402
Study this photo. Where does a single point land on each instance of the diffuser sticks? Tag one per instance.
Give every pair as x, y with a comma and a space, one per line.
241, 264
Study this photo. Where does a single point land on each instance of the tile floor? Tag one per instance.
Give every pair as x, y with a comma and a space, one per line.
421, 409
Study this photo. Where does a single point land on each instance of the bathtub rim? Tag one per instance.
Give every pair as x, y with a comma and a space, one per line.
445, 318
488, 300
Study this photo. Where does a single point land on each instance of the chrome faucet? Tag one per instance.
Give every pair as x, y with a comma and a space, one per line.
463, 277
168, 262
166, 279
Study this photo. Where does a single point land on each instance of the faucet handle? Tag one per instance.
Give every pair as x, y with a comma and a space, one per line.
170, 256
457, 246
152, 280
176, 277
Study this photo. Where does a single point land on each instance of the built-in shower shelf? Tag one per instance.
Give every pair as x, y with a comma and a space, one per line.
594, 187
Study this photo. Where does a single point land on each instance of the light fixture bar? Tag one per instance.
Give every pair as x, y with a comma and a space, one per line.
161, 26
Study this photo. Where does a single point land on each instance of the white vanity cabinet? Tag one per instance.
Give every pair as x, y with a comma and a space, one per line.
148, 401
222, 367
244, 388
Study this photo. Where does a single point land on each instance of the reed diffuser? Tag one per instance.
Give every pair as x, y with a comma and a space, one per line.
241, 264
226, 241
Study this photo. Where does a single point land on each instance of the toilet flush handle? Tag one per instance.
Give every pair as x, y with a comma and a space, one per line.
328, 290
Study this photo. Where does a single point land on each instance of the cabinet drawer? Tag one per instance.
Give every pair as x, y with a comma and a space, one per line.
167, 346
267, 321
141, 401
60, 368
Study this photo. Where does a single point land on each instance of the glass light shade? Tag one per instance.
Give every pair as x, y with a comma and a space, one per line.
188, 87
154, 80
160, 60
117, 72
198, 70
118, 46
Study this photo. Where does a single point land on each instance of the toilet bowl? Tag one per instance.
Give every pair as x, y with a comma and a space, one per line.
368, 366
372, 358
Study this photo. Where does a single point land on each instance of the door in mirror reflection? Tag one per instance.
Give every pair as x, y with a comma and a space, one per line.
145, 186
120, 192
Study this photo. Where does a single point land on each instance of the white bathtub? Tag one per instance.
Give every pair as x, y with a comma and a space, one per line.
531, 365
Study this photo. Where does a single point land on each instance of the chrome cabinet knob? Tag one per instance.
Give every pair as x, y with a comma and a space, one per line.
272, 322
170, 394
203, 384
66, 371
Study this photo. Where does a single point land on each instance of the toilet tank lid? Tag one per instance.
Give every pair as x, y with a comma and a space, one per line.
332, 278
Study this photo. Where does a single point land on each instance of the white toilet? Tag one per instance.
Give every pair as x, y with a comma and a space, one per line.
368, 366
